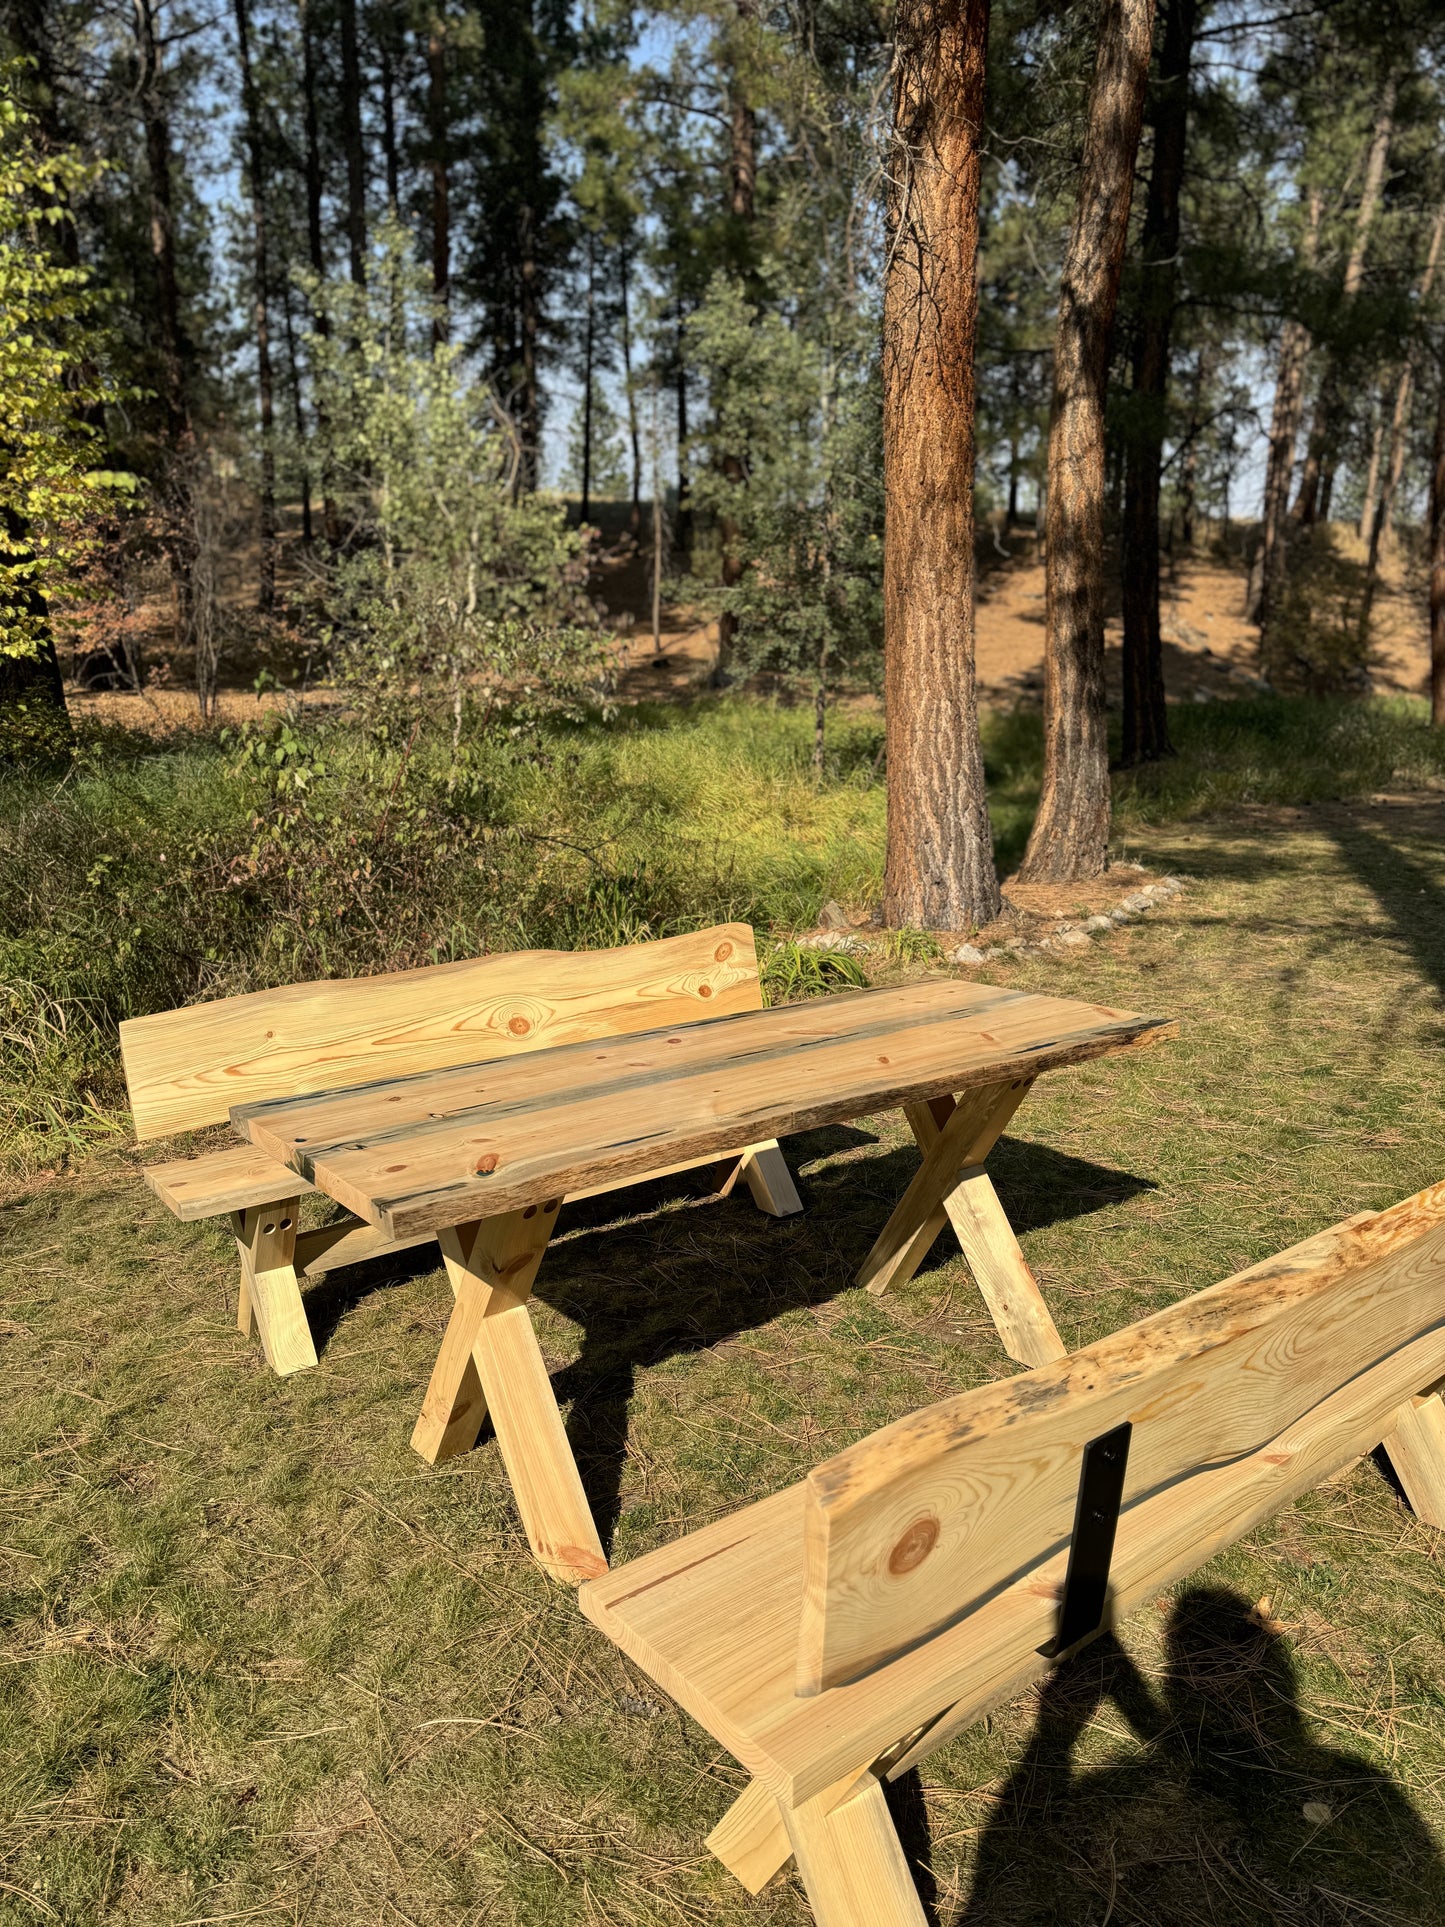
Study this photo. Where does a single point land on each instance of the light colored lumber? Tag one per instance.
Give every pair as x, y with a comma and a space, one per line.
750, 1839
490, 1339
764, 1170
347, 1241
900, 1524
1241, 1398
961, 1133
214, 1183
851, 1861
270, 1291
186, 1068
1416, 1445
483, 1140
1001, 1272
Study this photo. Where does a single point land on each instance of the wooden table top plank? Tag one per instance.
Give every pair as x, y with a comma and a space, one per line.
405, 1154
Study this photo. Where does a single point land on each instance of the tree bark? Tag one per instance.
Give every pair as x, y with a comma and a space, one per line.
1146, 723
441, 233
742, 201
315, 245
939, 871
682, 528
1294, 347
530, 318
588, 348
351, 138
1070, 836
633, 433
1317, 475
1436, 527
260, 307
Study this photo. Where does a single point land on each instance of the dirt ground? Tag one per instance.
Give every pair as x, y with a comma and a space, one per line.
1210, 650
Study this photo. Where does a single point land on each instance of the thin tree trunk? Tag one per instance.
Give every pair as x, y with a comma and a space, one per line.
1146, 723
632, 429
441, 232
939, 872
386, 55
1436, 528
1372, 472
1070, 836
588, 344
351, 138
1271, 568
315, 246
298, 415
261, 313
742, 199
530, 318
682, 530
1400, 414
1317, 475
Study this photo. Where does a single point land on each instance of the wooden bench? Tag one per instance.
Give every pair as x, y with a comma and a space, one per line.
186, 1068
835, 1634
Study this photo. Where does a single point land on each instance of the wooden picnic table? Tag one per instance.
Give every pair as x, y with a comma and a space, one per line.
483, 1156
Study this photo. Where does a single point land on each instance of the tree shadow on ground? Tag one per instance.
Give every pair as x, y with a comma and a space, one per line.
1409, 891
1228, 1812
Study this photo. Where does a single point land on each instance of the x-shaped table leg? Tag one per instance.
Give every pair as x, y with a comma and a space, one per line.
952, 1187
490, 1360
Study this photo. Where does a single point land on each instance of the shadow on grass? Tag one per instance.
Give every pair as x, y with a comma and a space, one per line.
1226, 1811
1410, 892
656, 1287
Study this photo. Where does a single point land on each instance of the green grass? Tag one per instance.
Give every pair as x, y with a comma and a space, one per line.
257, 1661
161, 873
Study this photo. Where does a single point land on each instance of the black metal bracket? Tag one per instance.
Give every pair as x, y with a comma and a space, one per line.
1091, 1549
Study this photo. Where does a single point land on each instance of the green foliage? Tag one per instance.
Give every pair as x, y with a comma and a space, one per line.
789, 460
790, 972
456, 594
53, 494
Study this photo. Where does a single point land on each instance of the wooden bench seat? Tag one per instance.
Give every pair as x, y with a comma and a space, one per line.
834, 1634
186, 1069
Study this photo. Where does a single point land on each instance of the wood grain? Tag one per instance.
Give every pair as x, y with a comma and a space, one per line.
852, 1864
417, 1153
215, 1182
955, 1500
187, 1068
1416, 1445
715, 1617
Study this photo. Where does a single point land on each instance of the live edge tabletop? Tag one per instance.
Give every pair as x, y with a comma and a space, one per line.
482, 1157
417, 1154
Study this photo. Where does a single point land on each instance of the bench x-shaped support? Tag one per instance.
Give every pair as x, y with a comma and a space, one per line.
951, 1187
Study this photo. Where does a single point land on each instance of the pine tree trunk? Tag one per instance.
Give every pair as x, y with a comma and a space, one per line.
315, 246
298, 414
1317, 476
441, 236
1369, 496
1435, 523
1070, 836
939, 872
530, 319
351, 137
391, 160
588, 347
742, 198
266, 587
633, 433
682, 531
1146, 723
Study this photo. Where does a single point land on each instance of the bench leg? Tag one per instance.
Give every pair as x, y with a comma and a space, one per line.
765, 1172
965, 1198
851, 1862
270, 1290
1416, 1445
490, 1360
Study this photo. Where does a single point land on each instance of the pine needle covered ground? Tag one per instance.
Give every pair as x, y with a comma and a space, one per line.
258, 1662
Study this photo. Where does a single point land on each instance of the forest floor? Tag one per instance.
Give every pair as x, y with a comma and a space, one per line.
258, 1662
1210, 650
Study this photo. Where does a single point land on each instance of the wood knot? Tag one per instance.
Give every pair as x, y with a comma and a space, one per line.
723, 952
704, 990
518, 1026
487, 1164
914, 1547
